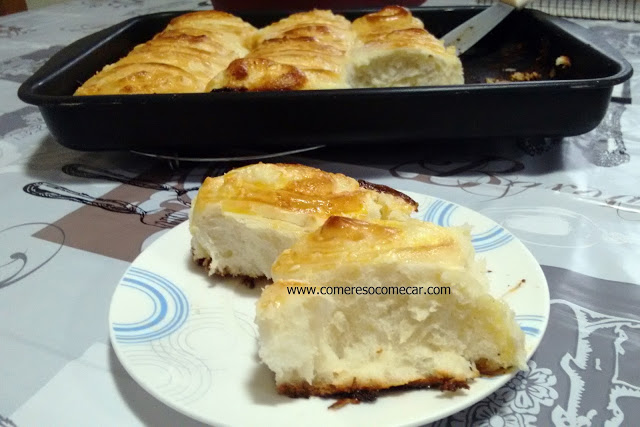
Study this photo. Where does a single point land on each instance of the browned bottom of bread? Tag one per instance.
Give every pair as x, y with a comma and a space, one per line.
248, 281
368, 392
383, 189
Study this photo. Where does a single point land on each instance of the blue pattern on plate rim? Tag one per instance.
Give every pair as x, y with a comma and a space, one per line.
529, 323
170, 308
440, 212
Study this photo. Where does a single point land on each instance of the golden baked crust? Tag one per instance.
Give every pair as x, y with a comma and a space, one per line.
306, 50
385, 21
309, 194
216, 21
343, 240
139, 78
183, 58
196, 62
212, 41
305, 53
322, 24
258, 74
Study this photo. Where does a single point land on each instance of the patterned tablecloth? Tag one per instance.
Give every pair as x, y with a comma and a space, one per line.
72, 223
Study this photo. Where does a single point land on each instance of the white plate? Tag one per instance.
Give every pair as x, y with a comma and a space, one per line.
191, 342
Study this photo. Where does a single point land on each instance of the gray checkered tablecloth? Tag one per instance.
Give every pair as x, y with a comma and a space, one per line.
72, 222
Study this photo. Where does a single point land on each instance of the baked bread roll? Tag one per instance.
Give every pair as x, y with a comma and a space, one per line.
240, 222
306, 50
323, 25
384, 21
394, 50
183, 58
345, 343
226, 25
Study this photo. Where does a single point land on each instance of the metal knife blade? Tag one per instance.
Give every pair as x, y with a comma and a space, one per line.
470, 32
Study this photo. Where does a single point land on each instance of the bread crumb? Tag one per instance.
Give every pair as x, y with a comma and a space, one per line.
343, 402
525, 76
563, 61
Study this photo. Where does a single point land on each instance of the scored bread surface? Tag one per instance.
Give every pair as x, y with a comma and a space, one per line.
192, 49
215, 51
306, 50
321, 50
385, 21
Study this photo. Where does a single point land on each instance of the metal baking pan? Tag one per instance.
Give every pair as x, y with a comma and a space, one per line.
572, 102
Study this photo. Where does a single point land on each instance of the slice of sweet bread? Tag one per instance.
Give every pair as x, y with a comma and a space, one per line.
372, 324
240, 222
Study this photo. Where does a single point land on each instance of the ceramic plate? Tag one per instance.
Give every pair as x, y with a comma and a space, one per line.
191, 342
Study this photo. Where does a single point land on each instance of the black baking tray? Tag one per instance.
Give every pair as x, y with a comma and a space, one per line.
573, 102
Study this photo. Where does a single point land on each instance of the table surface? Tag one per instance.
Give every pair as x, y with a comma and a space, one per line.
72, 223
